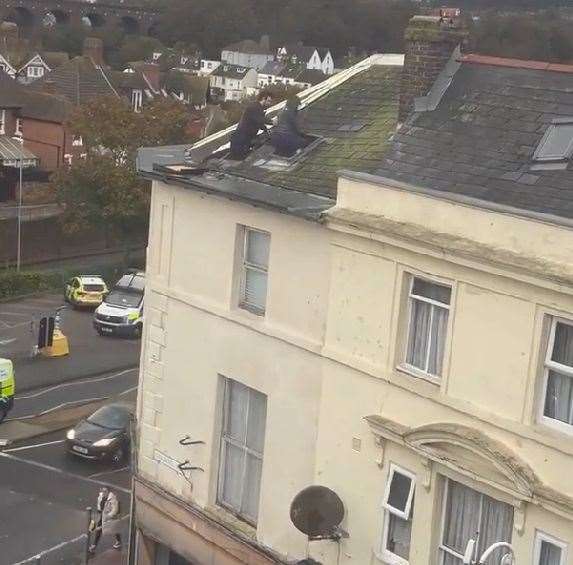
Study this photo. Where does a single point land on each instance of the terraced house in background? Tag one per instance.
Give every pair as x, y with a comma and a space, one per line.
387, 313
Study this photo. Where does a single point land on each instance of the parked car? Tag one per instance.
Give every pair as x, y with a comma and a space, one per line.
121, 312
103, 435
85, 290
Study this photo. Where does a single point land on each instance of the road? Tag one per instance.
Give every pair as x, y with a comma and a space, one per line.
90, 353
43, 496
43, 491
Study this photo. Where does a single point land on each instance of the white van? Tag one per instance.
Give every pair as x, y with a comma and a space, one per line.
121, 312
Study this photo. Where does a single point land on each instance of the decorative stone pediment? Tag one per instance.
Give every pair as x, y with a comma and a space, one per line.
474, 454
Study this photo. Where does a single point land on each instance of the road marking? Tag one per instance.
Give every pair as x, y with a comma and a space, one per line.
73, 383
2, 314
62, 472
24, 447
69, 403
128, 390
108, 472
7, 341
59, 546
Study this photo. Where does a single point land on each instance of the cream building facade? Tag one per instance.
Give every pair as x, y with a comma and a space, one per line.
408, 347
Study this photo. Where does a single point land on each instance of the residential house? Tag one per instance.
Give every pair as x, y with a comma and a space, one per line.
200, 515
269, 74
231, 82
297, 76
313, 58
132, 85
207, 66
423, 372
41, 63
248, 53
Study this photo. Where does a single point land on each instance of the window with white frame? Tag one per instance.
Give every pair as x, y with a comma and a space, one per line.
18, 130
2, 122
35, 72
398, 508
549, 550
558, 377
255, 271
429, 306
469, 514
242, 446
136, 99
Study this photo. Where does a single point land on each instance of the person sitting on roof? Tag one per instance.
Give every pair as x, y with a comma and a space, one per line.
253, 120
286, 136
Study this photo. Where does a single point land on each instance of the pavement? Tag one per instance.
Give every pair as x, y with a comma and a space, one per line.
90, 354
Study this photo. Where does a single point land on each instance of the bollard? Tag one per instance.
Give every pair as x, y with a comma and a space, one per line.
88, 537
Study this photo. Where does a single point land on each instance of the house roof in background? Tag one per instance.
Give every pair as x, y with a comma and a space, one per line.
35, 105
272, 68
226, 70
128, 80
302, 52
196, 87
78, 80
311, 76
248, 46
481, 138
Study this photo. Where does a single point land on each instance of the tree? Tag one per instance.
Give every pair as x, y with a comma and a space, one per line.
104, 189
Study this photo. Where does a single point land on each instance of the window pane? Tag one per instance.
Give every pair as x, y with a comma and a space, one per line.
399, 533
550, 554
437, 340
559, 398
232, 475
462, 516
496, 525
255, 288
432, 291
237, 415
418, 340
257, 248
563, 346
558, 143
257, 420
399, 491
250, 503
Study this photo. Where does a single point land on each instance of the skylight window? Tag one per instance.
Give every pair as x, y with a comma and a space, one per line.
557, 143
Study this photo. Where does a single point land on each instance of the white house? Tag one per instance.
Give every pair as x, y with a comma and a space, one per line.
230, 82
247, 53
313, 58
40, 64
207, 66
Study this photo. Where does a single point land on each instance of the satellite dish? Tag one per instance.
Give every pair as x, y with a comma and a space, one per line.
317, 512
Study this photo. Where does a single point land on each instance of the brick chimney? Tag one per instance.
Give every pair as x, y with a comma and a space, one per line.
430, 42
93, 47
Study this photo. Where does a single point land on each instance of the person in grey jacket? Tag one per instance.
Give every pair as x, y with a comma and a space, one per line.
286, 136
108, 521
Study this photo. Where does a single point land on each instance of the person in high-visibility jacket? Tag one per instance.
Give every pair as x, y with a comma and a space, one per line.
7, 387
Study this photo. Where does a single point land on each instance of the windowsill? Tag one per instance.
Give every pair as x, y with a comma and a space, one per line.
252, 310
232, 521
553, 428
418, 374
385, 559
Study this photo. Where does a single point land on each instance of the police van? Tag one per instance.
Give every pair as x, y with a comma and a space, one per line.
7, 387
121, 312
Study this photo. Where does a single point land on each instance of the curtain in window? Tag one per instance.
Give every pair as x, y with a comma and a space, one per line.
496, 524
559, 397
438, 340
255, 288
462, 519
257, 248
418, 339
549, 555
563, 346
399, 533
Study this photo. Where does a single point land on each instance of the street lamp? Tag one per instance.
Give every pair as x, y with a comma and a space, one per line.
507, 559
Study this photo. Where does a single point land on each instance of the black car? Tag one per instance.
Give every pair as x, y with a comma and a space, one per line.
104, 435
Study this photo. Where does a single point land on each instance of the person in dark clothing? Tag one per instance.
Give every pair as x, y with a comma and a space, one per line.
286, 136
253, 120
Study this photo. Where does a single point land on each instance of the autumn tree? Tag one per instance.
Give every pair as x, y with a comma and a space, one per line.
104, 189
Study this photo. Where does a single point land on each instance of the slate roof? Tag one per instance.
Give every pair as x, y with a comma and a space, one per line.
302, 52
247, 46
194, 86
480, 139
78, 80
272, 68
226, 70
35, 105
355, 120
128, 80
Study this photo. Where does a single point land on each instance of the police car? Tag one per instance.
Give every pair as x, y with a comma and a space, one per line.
85, 290
121, 312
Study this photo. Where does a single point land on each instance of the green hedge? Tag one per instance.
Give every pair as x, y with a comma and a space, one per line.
14, 284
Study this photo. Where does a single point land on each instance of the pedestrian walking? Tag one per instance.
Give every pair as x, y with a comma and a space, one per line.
107, 519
